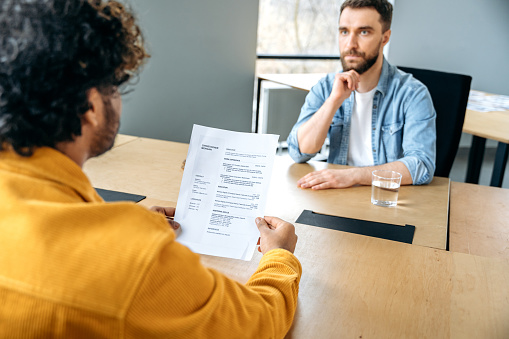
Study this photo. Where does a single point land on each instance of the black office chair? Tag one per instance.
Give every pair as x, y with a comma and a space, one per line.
449, 93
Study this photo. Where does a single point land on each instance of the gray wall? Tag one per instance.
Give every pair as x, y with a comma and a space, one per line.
201, 70
459, 36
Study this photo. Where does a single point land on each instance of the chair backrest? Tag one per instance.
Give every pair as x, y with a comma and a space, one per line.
449, 93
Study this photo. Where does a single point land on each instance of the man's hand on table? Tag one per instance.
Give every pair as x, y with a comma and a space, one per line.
275, 233
169, 213
329, 178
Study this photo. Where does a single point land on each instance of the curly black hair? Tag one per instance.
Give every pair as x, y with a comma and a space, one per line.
52, 52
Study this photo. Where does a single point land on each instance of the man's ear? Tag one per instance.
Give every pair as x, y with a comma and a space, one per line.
385, 37
92, 116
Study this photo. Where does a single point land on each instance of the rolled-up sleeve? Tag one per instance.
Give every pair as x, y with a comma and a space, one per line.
419, 136
314, 100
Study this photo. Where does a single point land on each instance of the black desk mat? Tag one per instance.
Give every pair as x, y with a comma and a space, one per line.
370, 228
111, 196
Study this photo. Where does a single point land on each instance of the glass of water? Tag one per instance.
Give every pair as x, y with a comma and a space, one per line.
385, 188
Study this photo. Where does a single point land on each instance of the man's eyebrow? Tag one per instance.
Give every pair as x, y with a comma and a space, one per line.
358, 28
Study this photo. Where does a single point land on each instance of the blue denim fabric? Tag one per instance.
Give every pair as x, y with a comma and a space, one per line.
403, 124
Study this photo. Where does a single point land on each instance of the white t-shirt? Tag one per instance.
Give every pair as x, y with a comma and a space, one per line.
360, 151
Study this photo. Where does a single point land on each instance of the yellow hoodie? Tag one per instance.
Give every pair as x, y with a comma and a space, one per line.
73, 266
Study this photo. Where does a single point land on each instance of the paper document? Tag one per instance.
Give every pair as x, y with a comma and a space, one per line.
223, 190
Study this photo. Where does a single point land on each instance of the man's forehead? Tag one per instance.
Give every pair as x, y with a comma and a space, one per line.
360, 17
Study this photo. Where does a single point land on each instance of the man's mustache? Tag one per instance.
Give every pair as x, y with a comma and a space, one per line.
354, 53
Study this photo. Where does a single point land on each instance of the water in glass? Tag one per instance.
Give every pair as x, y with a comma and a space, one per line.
384, 193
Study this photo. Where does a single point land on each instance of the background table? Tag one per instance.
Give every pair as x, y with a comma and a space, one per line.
487, 125
352, 286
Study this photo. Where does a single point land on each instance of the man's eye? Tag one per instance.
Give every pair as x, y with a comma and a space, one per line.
342, 32
364, 32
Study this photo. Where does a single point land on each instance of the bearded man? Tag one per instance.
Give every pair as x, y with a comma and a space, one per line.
375, 116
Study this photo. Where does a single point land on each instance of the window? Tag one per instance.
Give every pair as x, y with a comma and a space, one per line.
298, 28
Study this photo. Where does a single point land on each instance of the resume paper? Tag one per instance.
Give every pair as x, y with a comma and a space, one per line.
224, 188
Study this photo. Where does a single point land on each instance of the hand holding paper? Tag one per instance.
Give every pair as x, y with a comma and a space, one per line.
276, 233
224, 188
169, 213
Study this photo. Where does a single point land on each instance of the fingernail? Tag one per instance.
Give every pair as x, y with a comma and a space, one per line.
258, 220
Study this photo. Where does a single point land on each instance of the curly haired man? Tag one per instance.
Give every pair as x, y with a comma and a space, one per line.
71, 265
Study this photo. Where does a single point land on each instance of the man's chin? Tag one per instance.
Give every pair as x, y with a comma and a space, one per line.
354, 67
349, 65
360, 67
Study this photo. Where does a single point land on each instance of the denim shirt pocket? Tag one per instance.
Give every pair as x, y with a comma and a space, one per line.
392, 138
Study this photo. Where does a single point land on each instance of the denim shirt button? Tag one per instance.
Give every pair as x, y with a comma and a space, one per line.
374, 106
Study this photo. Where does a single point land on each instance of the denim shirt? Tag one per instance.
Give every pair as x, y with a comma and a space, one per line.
403, 124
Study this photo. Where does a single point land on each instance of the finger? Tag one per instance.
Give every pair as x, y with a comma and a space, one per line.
355, 81
173, 224
314, 182
352, 83
348, 81
273, 222
169, 211
355, 75
309, 177
306, 184
157, 209
322, 186
262, 225
305, 178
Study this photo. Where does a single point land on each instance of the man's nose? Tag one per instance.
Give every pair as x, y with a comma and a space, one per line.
352, 42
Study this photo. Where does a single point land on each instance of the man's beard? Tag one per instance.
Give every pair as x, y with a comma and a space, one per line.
105, 138
364, 65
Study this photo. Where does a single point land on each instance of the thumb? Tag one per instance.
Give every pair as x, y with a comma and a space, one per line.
262, 225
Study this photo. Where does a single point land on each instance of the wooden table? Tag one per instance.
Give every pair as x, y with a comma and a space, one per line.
425, 207
482, 125
352, 286
360, 287
479, 222
141, 166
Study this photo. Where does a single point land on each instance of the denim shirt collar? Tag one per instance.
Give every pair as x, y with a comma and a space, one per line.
383, 82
